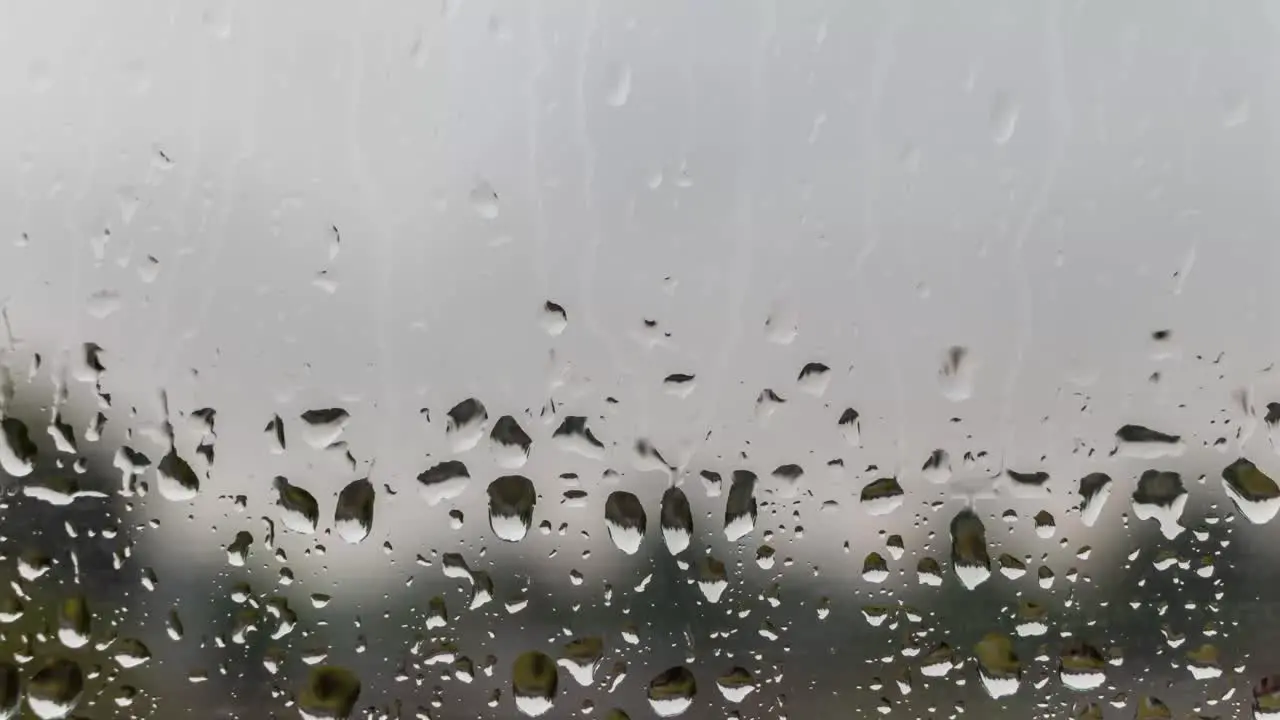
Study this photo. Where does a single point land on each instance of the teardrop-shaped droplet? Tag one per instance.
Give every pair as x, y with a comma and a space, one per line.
677, 520
299, 511
1095, 488
671, 693
466, 424
534, 682
17, 451
330, 694
511, 502
175, 479
969, 557
626, 521
511, 443
740, 507
55, 690
353, 516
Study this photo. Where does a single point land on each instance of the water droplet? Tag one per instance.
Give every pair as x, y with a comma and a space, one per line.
625, 519
322, 428
466, 424
679, 384
814, 378
998, 665
1136, 441
574, 436
443, 481
1095, 488
1081, 666
581, 657
299, 510
74, 622
534, 682
275, 431
1161, 495
511, 502
740, 507
713, 579
59, 490
672, 691
937, 468
554, 319
883, 496
676, 520
330, 694
1253, 491
736, 684
17, 452
175, 479
969, 557
510, 443
55, 690
130, 652
353, 516
850, 428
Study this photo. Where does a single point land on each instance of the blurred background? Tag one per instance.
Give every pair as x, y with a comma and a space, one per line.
816, 241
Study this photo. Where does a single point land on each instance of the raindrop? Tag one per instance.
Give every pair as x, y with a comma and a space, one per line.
711, 482
1266, 698
299, 511
581, 658
238, 550
850, 428
510, 443
1203, 663
1095, 488
679, 384
17, 452
443, 481
1161, 495
625, 519
534, 682
874, 568
74, 622
937, 468
102, 304
713, 579
331, 694
1081, 666
938, 662
275, 431
814, 379
929, 572
883, 496
574, 436
175, 479
672, 691
466, 424
676, 519
511, 501
130, 652
1136, 441
767, 403
55, 690
969, 558
740, 507
1253, 491
353, 516
322, 428
59, 490
1045, 525
1152, 708
736, 684
1032, 620
788, 477
554, 319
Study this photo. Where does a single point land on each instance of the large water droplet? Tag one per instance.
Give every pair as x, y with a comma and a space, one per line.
574, 436
581, 658
511, 502
511, 443
672, 691
55, 690
1095, 488
1161, 495
353, 516
740, 507
74, 622
676, 520
969, 557
443, 481
322, 428
299, 510
175, 479
534, 682
466, 424
17, 452
625, 519
330, 694
1253, 491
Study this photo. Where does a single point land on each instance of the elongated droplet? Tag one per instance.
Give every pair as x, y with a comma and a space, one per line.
353, 516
